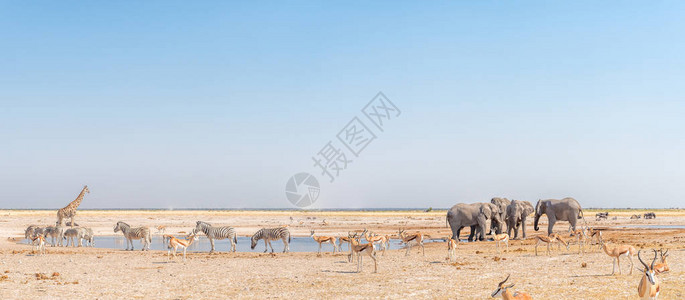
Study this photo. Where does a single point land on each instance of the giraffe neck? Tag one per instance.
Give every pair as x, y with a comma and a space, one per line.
77, 201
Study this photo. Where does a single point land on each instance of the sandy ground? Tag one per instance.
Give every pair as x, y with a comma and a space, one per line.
114, 273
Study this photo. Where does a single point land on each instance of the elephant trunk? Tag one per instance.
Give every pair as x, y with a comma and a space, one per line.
539, 208
497, 224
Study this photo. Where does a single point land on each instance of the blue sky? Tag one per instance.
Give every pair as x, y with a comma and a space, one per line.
216, 104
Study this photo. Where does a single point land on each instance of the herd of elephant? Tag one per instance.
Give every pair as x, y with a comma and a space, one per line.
501, 212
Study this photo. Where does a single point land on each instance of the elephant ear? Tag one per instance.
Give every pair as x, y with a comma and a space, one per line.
486, 211
539, 207
527, 210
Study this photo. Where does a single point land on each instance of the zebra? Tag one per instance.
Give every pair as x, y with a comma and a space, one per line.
79, 234
87, 235
71, 234
39, 231
138, 233
56, 233
218, 233
272, 234
30, 232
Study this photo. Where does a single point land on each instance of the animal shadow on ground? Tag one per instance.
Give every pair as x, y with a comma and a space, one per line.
591, 275
340, 272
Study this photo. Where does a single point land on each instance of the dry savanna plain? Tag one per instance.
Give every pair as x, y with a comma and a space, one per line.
99, 273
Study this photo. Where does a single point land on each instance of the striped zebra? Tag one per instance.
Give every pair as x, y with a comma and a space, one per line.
78, 234
86, 235
30, 232
71, 234
55, 233
138, 233
272, 234
216, 233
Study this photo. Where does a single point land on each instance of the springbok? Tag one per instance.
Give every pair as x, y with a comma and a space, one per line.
452, 249
358, 249
175, 243
592, 234
649, 287
501, 238
549, 240
344, 239
376, 239
39, 243
616, 253
506, 294
560, 241
581, 236
662, 267
409, 238
323, 239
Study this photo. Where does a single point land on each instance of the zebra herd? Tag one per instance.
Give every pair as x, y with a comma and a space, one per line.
80, 234
227, 232
58, 234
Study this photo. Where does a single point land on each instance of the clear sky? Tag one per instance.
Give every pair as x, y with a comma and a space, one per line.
216, 104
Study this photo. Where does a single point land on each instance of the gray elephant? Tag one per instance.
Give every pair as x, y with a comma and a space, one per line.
567, 209
502, 204
475, 216
517, 212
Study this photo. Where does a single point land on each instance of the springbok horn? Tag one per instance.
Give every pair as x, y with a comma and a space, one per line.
505, 280
665, 253
653, 260
640, 258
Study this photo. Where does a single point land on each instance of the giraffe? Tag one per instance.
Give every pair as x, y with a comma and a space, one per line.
69, 211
